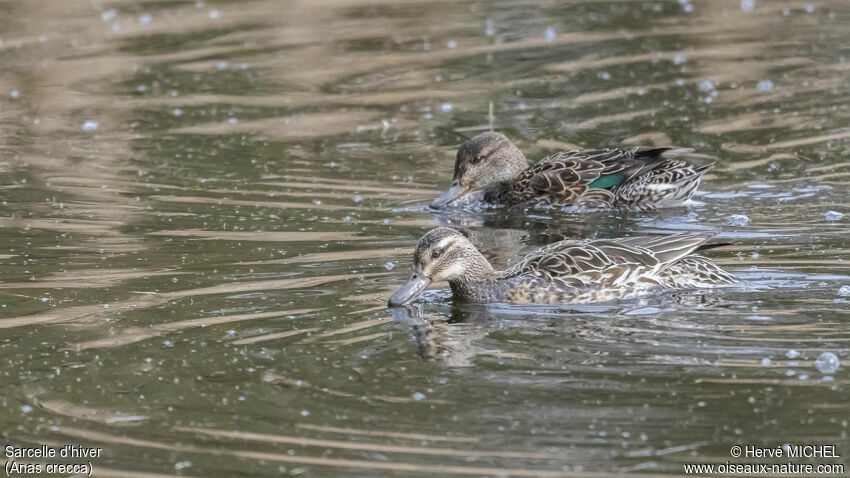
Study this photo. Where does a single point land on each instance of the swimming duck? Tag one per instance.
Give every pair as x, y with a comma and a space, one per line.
564, 272
585, 179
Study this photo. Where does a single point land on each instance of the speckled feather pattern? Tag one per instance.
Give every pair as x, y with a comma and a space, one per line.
591, 271
651, 179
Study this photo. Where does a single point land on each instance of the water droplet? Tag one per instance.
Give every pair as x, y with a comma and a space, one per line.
357, 198
389, 266
489, 28
26, 408
844, 291
765, 362
15, 93
549, 35
418, 396
792, 354
446, 107
827, 363
738, 220
214, 14
764, 85
451, 44
108, 15
748, 5
222, 65
145, 19
90, 125
304, 413
834, 216
706, 85
177, 112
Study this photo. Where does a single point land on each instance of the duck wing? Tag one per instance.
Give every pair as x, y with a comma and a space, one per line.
561, 178
608, 262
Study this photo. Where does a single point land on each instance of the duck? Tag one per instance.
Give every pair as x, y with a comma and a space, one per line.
568, 272
586, 179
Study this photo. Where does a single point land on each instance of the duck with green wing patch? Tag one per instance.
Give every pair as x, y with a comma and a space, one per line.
564, 272
585, 179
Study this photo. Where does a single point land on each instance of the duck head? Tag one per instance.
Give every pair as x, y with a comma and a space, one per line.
485, 160
442, 254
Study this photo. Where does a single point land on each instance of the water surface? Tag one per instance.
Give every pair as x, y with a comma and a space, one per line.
205, 205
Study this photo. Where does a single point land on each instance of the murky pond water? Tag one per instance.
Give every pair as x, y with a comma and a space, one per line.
205, 206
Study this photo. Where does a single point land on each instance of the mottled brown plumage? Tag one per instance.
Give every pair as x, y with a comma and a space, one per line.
590, 179
564, 272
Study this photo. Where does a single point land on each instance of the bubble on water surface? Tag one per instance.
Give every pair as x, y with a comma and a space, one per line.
177, 112
305, 413
451, 44
489, 28
446, 107
827, 363
26, 408
738, 220
108, 15
764, 85
418, 396
214, 14
765, 362
145, 19
15, 93
549, 35
844, 291
792, 354
90, 125
834, 216
222, 65
389, 266
748, 5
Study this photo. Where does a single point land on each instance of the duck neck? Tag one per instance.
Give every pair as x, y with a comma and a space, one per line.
497, 191
477, 276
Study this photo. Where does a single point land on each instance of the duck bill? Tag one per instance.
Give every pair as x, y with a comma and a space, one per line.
411, 289
448, 196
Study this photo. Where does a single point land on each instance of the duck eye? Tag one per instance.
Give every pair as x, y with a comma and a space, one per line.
436, 253
477, 159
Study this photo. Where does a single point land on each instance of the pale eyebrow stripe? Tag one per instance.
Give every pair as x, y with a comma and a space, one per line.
445, 243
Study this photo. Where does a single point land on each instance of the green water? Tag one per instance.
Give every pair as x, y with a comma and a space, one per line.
204, 207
